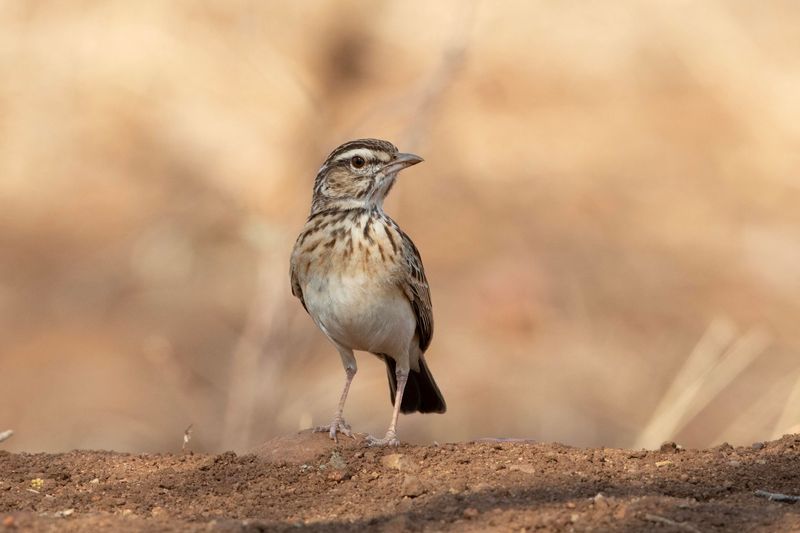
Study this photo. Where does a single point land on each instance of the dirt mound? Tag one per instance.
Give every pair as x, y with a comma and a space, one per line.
306, 481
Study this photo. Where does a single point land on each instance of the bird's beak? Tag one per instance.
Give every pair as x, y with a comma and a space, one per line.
400, 162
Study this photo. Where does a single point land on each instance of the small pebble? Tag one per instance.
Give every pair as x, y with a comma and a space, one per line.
412, 486
669, 447
600, 501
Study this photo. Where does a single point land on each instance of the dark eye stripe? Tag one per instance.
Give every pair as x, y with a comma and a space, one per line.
345, 163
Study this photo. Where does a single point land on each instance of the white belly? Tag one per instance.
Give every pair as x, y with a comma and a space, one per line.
361, 313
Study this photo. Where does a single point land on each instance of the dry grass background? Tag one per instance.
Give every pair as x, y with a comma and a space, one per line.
608, 214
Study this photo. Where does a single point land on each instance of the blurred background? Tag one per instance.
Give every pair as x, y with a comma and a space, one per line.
608, 215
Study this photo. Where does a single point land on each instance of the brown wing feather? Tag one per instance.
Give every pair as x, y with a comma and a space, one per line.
296, 289
415, 286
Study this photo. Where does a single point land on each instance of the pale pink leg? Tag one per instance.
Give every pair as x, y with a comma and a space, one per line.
391, 435
338, 425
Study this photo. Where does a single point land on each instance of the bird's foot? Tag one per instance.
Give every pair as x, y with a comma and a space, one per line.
337, 426
389, 440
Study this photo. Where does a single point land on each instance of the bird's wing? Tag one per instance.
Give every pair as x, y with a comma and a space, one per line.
296, 289
415, 287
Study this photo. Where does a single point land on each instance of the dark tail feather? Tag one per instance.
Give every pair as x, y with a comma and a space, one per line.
421, 393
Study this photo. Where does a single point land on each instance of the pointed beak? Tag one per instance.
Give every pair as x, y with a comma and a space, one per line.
400, 162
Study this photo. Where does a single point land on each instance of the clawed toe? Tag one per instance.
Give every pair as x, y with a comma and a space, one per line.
389, 440
343, 428
337, 426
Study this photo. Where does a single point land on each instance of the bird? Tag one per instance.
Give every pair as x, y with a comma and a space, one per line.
360, 278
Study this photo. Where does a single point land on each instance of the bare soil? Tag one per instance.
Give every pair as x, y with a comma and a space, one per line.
307, 482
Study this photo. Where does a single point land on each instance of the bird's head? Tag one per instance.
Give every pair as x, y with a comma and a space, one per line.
359, 174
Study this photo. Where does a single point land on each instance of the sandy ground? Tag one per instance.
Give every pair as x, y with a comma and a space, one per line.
307, 482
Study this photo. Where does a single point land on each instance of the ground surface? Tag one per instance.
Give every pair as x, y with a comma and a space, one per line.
305, 482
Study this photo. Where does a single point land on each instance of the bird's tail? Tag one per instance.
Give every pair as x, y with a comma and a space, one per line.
421, 393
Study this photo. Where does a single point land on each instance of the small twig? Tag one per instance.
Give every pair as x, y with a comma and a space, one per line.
6, 434
777, 496
187, 436
662, 520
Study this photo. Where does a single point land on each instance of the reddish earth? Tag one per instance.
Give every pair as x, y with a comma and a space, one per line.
307, 482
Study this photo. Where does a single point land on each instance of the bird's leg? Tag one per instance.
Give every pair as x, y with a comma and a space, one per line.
338, 425
391, 434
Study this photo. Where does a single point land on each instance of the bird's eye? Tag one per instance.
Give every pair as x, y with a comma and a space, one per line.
357, 161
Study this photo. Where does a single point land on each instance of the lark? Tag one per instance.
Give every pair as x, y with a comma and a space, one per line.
361, 279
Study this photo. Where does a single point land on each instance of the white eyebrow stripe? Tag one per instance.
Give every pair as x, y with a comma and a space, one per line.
366, 153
